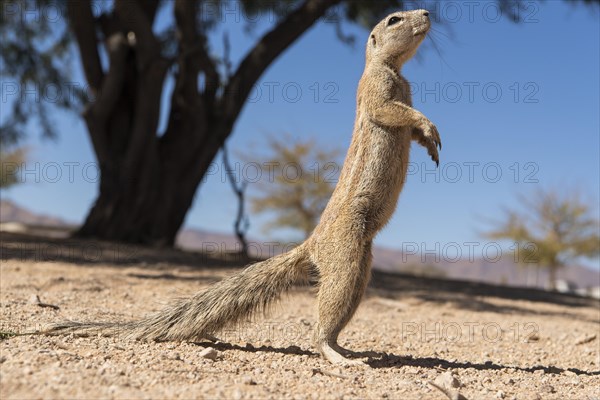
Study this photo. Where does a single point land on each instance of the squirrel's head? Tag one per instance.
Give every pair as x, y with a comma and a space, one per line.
396, 38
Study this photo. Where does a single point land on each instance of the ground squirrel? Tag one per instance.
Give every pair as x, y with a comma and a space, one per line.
339, 249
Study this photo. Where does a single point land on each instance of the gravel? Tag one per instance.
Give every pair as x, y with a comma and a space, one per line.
473, 346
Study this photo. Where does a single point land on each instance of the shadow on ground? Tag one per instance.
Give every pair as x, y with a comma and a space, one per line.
469, 295
89, 252
389, 360
160, 263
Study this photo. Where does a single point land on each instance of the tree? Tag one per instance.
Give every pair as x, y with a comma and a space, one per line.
148, 178
551, 231
300, 178
242, 223
10, 163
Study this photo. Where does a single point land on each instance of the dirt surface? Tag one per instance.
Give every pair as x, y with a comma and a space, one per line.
470, 340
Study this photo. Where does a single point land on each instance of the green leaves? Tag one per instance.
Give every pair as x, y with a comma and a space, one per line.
35, 66
299, 178
551, 229
10, 162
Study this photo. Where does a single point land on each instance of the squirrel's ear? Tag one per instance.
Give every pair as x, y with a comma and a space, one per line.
373, 41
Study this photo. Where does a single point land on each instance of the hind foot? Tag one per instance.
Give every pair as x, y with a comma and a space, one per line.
333, 354
345, 352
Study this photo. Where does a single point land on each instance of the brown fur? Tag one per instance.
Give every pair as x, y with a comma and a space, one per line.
339, 249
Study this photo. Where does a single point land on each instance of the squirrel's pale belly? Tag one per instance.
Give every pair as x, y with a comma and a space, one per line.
373, 175
385, 173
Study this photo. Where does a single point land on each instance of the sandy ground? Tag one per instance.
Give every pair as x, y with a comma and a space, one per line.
474, 341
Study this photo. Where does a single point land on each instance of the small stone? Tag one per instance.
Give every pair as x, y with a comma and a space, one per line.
209, 353
500, 394
447, 380
548, 389
34, 299
534, 337
247, 380
411, 370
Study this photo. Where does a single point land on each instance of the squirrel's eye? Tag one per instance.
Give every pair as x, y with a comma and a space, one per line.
394, 20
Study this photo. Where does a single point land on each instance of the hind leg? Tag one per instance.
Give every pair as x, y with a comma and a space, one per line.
342, 286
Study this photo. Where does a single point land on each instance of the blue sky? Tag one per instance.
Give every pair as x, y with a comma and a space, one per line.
517, 106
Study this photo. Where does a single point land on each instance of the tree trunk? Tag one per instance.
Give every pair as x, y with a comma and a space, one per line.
148, 182
552, 277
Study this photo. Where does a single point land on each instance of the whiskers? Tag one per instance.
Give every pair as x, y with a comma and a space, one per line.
437, 35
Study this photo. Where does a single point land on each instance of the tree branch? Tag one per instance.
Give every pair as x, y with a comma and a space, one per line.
146, 115
134, 18
83, 25
112, 85
193, 44
241, 221
149, 7
268, 48
98, 112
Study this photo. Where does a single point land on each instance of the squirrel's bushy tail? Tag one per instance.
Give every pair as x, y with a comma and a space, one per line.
210, 310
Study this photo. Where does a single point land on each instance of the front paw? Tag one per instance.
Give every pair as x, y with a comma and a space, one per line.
429, 137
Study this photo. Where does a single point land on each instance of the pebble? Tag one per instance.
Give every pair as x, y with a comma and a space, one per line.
209, 353
447, 380
412, 370
548, 389
534, 337
34, 299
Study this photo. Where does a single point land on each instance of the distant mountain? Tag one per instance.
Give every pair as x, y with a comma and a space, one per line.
504, 271
11, 212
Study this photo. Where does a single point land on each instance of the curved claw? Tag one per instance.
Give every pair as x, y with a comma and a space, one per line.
435, 158
437, 143
429, 137
334, 357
